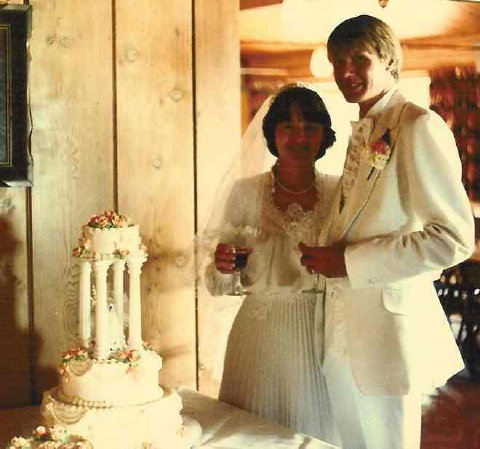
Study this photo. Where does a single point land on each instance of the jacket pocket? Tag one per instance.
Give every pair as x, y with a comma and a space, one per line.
400, 301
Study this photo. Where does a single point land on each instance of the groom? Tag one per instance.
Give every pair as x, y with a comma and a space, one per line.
400, 216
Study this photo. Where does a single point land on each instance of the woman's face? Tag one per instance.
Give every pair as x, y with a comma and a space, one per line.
298, 140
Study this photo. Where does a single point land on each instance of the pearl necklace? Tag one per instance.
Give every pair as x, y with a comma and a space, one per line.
295, 192
286, 189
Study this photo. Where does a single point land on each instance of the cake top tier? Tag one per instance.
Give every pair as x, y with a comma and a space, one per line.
110, 236
108, 220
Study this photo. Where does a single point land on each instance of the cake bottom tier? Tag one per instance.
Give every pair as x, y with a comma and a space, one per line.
152, 425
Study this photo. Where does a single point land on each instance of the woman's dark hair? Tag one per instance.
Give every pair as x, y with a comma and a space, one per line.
313, 110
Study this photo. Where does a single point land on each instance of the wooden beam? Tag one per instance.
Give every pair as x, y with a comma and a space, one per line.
247, 4
290, 64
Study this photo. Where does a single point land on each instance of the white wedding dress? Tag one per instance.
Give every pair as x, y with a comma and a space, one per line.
272, 365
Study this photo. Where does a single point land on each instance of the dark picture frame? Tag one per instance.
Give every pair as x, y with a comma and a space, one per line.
15, 126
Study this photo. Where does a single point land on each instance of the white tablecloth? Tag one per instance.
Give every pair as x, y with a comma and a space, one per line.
223, 426
227, 427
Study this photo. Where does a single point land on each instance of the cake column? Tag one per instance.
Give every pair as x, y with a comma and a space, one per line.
118, 289
101, 310
85, 298
134, 304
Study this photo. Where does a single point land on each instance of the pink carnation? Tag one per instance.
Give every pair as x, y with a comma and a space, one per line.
380, 147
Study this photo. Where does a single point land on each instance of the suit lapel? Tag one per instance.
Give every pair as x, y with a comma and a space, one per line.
366, 177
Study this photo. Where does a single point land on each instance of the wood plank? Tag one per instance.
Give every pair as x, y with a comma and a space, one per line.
155, 170
14, 307
71, 96
15, 375
246, 4
218, 136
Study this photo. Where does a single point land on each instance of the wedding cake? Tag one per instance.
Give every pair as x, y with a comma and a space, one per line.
108, 389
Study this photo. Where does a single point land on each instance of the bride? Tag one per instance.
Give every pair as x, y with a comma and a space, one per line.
272, 366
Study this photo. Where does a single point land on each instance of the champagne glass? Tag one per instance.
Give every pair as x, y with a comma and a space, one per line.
315, 287
241, 256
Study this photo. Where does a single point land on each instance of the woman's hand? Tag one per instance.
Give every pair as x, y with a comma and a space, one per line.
225, 257
327, 260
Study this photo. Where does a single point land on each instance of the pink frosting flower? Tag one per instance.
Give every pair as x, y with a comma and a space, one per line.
110, 214
109, 219
93, 221
79, 354
18, 443
122, 252
77, 251
40, 432
58, 433
130, 357
103, 222
48, 445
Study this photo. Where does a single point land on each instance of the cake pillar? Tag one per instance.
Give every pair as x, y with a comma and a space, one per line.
84, 307
134, 304
118, 289
101, 310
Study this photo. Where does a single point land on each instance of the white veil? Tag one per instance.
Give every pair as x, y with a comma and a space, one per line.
251, 158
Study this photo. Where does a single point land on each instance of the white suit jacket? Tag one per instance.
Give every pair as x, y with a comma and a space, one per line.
402, 226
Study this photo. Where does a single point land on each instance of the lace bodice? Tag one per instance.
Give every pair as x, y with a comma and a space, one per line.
252, 218
298, 224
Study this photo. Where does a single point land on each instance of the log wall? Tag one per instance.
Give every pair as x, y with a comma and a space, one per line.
126, 100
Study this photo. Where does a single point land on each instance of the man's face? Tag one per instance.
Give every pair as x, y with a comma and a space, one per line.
361, 76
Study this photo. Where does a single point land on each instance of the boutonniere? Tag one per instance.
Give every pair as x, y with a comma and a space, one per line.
378, 152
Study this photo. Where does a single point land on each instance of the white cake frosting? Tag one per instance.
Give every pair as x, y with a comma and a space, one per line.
152, 425
107, 383
109, 235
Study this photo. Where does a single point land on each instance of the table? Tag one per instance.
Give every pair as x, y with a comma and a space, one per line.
223, 426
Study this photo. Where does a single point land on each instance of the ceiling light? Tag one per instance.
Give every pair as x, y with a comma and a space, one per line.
319, 64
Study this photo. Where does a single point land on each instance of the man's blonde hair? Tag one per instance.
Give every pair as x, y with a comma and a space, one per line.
369, 33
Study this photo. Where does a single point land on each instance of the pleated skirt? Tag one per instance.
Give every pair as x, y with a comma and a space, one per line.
271, 367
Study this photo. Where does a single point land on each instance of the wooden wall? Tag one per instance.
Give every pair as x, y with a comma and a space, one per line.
127, 100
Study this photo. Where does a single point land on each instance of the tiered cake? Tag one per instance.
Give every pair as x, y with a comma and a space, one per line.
108, 390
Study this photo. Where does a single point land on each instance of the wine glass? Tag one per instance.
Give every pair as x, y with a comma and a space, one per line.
241, 256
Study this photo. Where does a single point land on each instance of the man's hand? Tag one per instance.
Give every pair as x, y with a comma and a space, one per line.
327, 260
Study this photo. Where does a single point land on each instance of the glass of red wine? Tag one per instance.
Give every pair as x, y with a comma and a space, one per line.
241, 257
